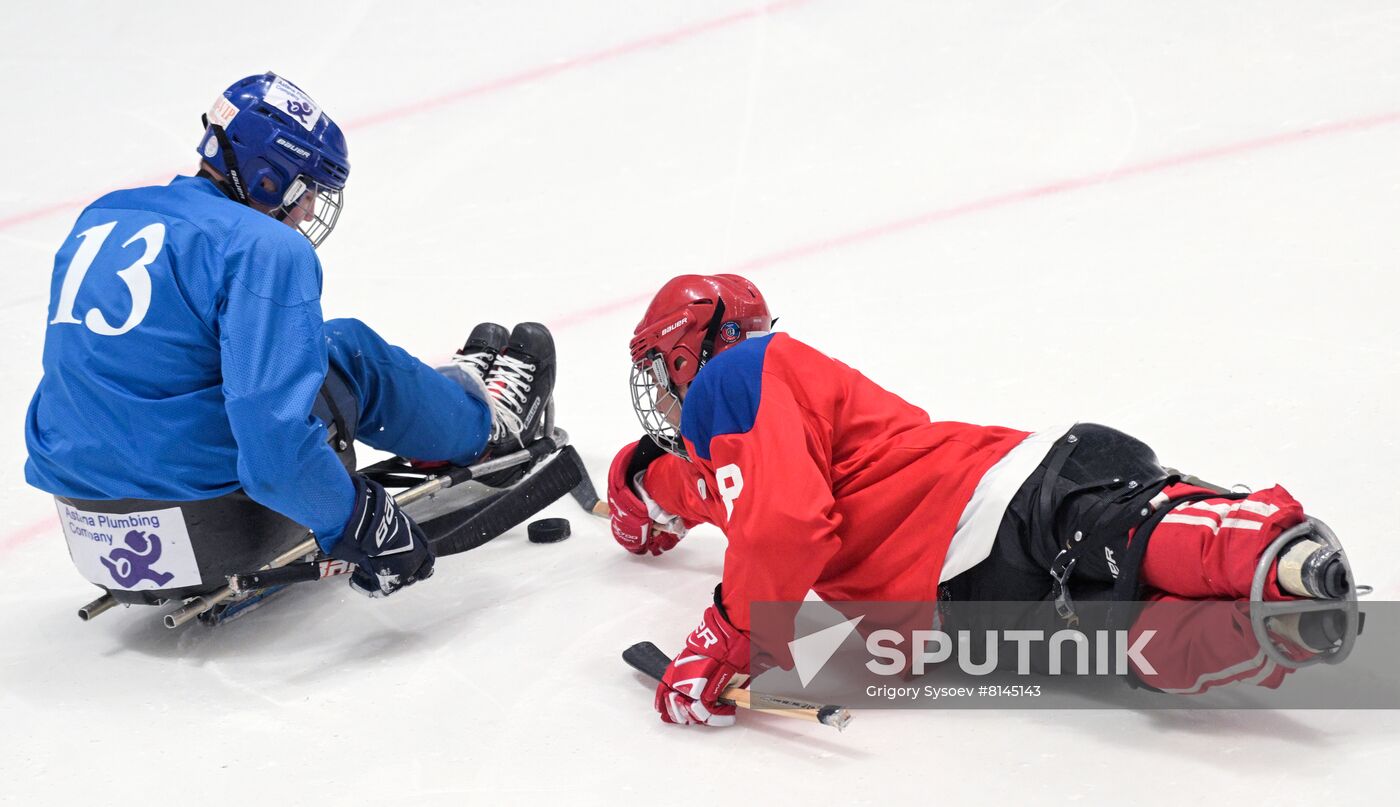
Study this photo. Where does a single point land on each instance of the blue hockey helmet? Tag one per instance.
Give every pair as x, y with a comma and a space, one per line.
278, 151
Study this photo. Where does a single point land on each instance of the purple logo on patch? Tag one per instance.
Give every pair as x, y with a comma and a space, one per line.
729, 332
300, 109
132, 563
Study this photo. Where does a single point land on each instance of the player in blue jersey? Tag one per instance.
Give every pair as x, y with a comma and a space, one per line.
191, 388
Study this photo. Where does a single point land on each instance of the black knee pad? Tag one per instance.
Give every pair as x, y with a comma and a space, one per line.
1099, 454
1093, 489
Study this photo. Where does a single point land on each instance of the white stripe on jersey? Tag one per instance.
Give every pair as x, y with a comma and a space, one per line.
1196, 521
981, 517
1209, 678
1207, 521
1225, 509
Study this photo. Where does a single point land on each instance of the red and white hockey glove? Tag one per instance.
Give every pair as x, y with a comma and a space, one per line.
714, 653
639, 524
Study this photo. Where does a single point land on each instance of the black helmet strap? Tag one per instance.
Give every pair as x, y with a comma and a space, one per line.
707, 347
233, 186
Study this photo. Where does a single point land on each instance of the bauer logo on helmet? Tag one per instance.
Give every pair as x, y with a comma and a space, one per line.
673, 326
293, 147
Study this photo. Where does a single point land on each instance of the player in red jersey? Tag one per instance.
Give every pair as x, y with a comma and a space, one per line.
823, 480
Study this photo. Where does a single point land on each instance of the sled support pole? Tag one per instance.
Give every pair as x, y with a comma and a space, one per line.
558, 439
199, 605
98, 606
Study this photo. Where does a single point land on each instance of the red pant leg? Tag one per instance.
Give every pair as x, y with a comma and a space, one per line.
1199, 645
1209, 548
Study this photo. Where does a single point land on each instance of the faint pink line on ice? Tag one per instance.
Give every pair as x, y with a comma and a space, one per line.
1058, 187
73, 204
23, 535
650, 42
584, 315
594, 57
873, 232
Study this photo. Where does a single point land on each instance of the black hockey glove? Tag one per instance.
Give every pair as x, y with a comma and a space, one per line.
386, 545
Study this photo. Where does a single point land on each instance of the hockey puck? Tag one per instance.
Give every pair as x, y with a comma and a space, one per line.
548, 530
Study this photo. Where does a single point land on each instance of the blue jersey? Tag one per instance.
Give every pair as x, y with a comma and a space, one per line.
183, 354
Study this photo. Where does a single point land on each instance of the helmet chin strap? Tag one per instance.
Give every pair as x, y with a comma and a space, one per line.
707, 347
233, 186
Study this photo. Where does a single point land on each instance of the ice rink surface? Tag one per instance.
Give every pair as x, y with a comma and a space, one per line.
1180, 219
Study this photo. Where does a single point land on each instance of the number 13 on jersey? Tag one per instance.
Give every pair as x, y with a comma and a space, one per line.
136, 277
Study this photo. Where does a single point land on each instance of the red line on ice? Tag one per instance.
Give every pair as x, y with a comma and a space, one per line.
872, 232
653, 41
24, 534
583, 60
876, 231
1056, 188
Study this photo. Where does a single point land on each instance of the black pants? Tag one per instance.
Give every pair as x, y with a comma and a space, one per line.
1078, 506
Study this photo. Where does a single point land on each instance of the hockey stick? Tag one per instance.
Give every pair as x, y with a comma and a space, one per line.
647, 658
432, 486
451, 535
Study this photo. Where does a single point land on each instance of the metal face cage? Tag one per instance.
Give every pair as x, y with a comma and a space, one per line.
656, 403
312, 208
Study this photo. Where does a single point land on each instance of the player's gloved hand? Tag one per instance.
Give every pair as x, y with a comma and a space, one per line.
714, 653
639, 524
387, 546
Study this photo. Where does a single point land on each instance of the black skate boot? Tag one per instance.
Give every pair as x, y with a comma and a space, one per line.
520, 384
469, 368
1307, 568
485, 343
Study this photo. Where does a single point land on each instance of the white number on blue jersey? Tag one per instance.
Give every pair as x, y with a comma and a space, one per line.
136, 277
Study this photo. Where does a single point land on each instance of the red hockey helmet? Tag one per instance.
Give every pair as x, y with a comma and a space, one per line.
691, 319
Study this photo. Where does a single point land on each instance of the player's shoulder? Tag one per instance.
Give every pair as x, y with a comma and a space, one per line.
726, 393
197, 202
232, 241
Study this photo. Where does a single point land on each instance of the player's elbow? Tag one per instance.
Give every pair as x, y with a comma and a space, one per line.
270, 446
259, 487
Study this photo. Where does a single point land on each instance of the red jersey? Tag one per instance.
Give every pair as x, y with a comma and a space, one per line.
823, 480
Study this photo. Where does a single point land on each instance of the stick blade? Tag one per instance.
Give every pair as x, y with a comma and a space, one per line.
647, 659
545, 485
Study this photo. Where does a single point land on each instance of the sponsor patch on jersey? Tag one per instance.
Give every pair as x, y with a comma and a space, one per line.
284, 96
222, 112
729, 332
131, 551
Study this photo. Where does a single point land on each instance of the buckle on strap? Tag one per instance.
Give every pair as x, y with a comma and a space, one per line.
1060, 571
